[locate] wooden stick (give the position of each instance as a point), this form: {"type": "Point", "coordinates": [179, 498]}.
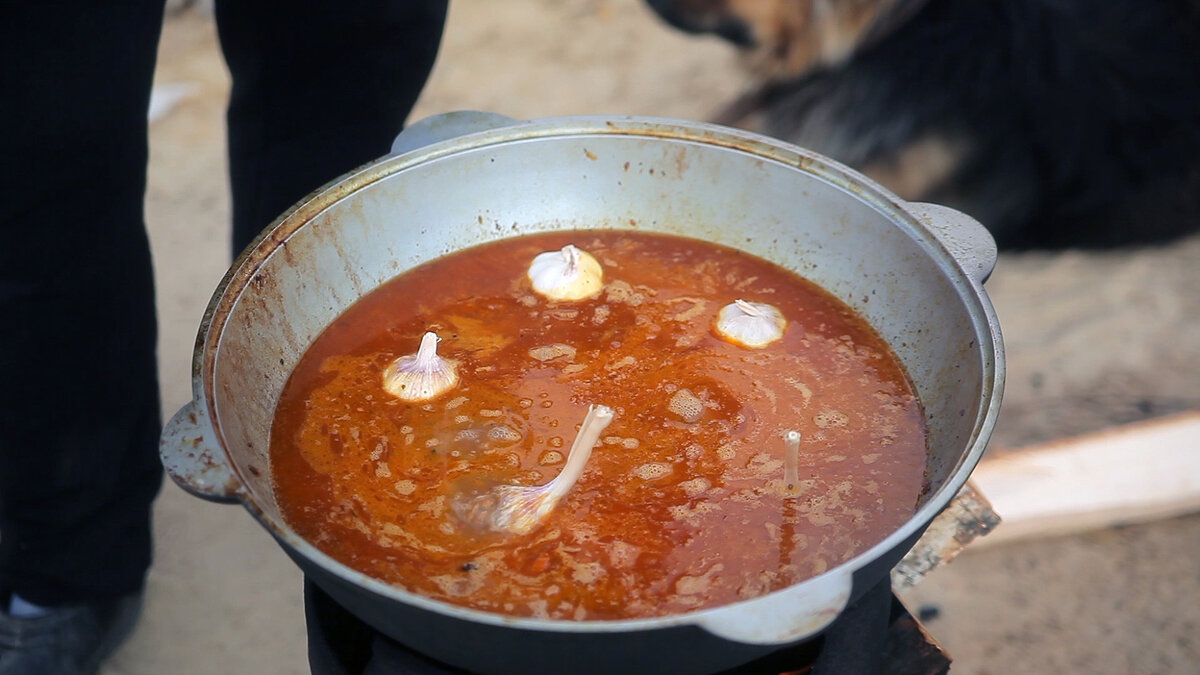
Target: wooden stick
{"type": "Point", "coordinates": [1124, 475]}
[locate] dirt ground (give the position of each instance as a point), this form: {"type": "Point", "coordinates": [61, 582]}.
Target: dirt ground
{"type": "Point", "coordinates": [1093, 340]}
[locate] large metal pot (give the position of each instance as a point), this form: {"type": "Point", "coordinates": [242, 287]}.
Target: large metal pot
{"type": "Point", "coordinates": [914, 271]}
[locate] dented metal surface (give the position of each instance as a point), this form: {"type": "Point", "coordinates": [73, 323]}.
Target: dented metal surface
{"type": "Point", "coordinates": [914, 271]}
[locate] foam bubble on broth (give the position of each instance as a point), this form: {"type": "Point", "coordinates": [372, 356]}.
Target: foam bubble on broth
{"type": "Point", "coordinates": [695, 486]}
{"type": "Point", "coordinates": [686, 405]}
{"type": "Point", "coordinates": [553, 351]}
{"type": "Point", "coordinates": [504, 434]}
{"type": "Point", "coordinates": [653, 470]}
{"type": "Point", "coordinates": [831, 418]}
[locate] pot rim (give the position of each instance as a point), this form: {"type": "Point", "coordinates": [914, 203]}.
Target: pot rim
{"type": "Point", "coordinates": [900, 213]}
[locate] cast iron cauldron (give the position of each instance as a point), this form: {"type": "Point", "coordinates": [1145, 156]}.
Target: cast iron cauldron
{"type": "Point", "coordinates": [914, 271]}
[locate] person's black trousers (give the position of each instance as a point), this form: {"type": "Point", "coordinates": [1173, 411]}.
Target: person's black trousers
{"type": "Point", "coordinates": [318, 88]}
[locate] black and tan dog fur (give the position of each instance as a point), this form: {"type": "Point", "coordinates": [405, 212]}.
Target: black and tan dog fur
{"type": "Point", "coordinates": [1054, 122]}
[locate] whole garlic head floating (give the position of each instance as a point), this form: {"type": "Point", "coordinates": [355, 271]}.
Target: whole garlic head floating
{"type": "Point", "coordinates": [420, 376]}
{"type": "Point", "coordinates": [566, 274]}
{"type": "Point", "coordinates": [750, 324]}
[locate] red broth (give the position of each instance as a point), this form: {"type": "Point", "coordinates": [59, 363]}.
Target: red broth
{"type": "Point", "coordinates": [674, 512]}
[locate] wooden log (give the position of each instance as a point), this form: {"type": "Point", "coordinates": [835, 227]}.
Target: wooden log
{"type": "Point", "coordinates": [1124, 475]}
{"type": "Point", "coordinates": [967, 517]}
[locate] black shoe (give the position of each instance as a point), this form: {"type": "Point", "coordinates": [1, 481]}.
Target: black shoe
{"type": "Point", "coordinates": [71, 640]}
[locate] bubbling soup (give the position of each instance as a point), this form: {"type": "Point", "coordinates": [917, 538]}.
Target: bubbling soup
{"type": "Point", "coordinates": [683, 503]}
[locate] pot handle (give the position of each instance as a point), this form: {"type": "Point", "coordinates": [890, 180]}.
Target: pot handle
{"type": "Point", "coordinates": [193, 458]}
{"type": "Point", "coordinates": [784, 617]}
{"type": "Point", "coordinates": [445, 126]}
{"type": "Point", "coordinates": [964, 237]}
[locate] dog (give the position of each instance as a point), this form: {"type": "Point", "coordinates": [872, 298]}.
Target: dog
{"type": "Point", "coordinates": [1055, 123]}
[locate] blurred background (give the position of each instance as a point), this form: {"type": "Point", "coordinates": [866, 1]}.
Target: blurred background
{"type": "Point", "coordinates": [1095, 340]}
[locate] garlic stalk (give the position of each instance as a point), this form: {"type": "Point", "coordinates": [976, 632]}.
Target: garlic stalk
{"type": "Point", "coordinates": [750, 324]}
{"type": "Point", "coordinates": [566, 274]}
{"type": "Point", "coordinates": [519, 508]}
{"type": "Point", "coordinates": [791, 462]}
{"type": "Point", "coordinates": [420, 376]}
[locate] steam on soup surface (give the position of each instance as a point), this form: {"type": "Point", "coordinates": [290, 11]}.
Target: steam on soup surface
{"type": "Point", "coordinates": [683, 503]}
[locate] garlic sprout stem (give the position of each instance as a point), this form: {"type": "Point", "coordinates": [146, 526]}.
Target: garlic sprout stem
{"type": "Point", "coordinates": [749, 308]}
{"type": "Point", "coordinates": [571, 253]}
{"type": "Point", "coordinates": [791, 462]}
{"type": "Point", "coordinates": [427, 351]}
{"type": "Point", "coordinates": [596, 420]}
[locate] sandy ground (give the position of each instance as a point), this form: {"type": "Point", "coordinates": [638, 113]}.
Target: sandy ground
{"type": "Point", "coordinates": [1093, 340]}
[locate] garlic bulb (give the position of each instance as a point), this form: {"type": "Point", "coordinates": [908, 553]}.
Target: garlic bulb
{"type": "Point", "coordinates": [422, 376]}
{"type": "Point", "coordinates": [567, 274]}
{"type": "Point", "coordinates": [750, 324]}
